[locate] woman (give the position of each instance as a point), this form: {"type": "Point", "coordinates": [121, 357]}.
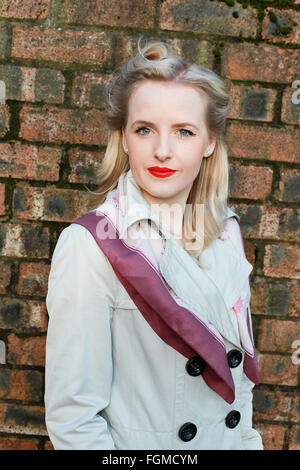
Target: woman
{"type": "Point", "coordinates": [149, 342]}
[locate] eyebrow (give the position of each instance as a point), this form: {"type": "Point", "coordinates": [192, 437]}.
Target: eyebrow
{"type": "Point", "coordinates": [177, 124]}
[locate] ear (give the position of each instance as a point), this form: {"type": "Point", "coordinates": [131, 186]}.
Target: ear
{"type": "Point", "coordinates": [210, 148]}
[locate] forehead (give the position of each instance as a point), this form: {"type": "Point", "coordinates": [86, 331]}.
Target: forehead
{"type": "Point", "coordinates": [152, 96]}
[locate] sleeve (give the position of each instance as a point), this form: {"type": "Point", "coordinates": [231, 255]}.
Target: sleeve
{"type": "Point", "coordinates": [79, 368]}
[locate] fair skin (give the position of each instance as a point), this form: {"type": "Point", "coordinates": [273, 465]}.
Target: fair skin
{"type": "Point", "coordinates": [155, 136]}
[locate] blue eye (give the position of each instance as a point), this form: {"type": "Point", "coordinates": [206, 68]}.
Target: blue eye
{"type": "Point", "coordinates": [188, 132]}
{"type": "Point", "coordinates": [140, 129]}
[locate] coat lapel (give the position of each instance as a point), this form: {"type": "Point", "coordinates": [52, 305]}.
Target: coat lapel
{"type": "Point", "coordinates": [212, 289]}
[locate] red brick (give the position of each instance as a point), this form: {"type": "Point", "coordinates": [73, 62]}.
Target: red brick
{"type": "Point", "coordinates": [63, 205]}
{"type": "Point", "coordinates": [85, 166]}
{"type": "Point", "coordinates": [33, 279]}
{"type": "Point", "coordinates": [289, 185]}
{"type": "Point", "coordinates": [282, 261]}
{"type": "Point", "coordinates": [25, 9]}
{"type": "Point", "coordinates": [6, 268]}
{"type": "Point", "coordinates": [16, 443]}
{"type": "Point", "coordinates": [2, 199]}
{"type": "Point", "coordinates": [251, 102]}
{"type": "Point", "coordinates": [89, 90]}
{"type": "Point", "coordinates": [268, 221]}
{"type": "Point", "coordinates": [128, 13]}
{"type": "Point", "coordinates": [4, 119]}
{"type": "Point", "coordinates": [24, 240]}
{"type": "Point", "coordinates": [290, 104]}
{"type": "Point", "coordinates": [263, 143]}
{"type": "Point", "coordinates": [24, 161]}
{"type": "Point", "coordinates": [287, 18]}
{"type": "Point", "coordinates": [21, 385]}
{"type": "Point", "coordinates": [268, 298]}
{"type": "Point", "coordinates": [22, 419]}
{"type": "Point", "coordinates": [272, 435]}
{"type": "Point", "coordinates": [60, 45]}
{"type": "Point", "coordinates": [272, 405]}
{"type": "Point", "coordinates": [294, 441]}
{"type": "Point", "coordinates": [63, 125]}
{"type": "Point", "coordinates": [278, 335]}
{"type": "Point", "coordinates": [267, 63]}
{"type": "Point", "coordinates": [250, 182]}
{"type": "Point", "coordinates": [26, 351]}
{"type": "Point", "coordinates": [33, 84]}
{"type": "Point", "coordinates": [19, 315]}
{"type": "Point", "coordinates": [276, 369]}
{"type": "Point", "coordinates": [208, 18]}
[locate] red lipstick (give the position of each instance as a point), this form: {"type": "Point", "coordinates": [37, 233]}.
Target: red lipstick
{"type": "Point", "coordinates": [161, 172]}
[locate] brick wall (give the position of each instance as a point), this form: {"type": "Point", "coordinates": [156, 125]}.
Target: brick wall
{"type": "Point", "coordinates": [55, 57]}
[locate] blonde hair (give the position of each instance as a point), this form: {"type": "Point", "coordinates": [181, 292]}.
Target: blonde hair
{"type": "Point", "coordinates": [154, 62]}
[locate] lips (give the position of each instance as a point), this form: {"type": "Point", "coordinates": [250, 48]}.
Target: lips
{"type": "Point", "coordinates": [161, 172]}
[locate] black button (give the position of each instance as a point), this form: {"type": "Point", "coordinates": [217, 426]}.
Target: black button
{"type": "Point", "coordinates": [195, 366]}
{"type": "Point", "coordinates": [232, 419]}
{"type": "Point", "coordinates": [234, 358]}
{"type": "Point", "coordinates": [187, 432]}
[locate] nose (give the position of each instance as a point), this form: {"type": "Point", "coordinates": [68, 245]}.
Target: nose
{"type": "Point", "coordinates": [163, 148]}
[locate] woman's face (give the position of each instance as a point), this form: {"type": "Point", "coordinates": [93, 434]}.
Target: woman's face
{"type": "Point", "coordinates": [166, 129]}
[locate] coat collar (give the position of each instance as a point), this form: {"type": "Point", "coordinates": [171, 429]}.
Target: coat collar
{"type": "Point", "coordinates": [212, 288]}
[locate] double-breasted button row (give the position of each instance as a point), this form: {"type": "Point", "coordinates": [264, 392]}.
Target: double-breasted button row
{"type": "Point", "coordinates": [196, 365]}
{"type": "Point", "coordinates": [188, 431]}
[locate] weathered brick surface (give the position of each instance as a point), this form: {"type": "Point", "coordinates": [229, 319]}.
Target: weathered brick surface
{"type": "Point", "coordinates": [263, 143]}
{"type": "Point", "coordinates": [33, 84]}
{"type": "Point", "coordinates": [26, 351]}
{"type": "Point", "coordinates": [61, 46]}
{"type": "Point", "coordinates": [21, 385]}
{"type": "Point", "coordinates": [281, 25]}
{"type": "Point", "coordinates": [273, 435]}
{"type": "Point", "coordinates": [49, 203]}
{"type": "Point", "coordinates": [2, 199]}
{"type": "Point", "coordinates": [25, 9]}
{"type": "Point", "coordinates": [289, 186]}
{"type": "Point", "coordinates": [208, 18]}
{"type": "Point", "coordinates": [278, 335]}
{"type": "Point", "coordinates": [4, 119]}
{"type": "Point", "coordinates": [22, 419]}
{"type": "Point", "coordinates": [85, 166]}
{"type": "Point", "coordinates": [57, 58]}
{"type": "Point", "coordinates": [251, 182]}
{"type": "Point", "coordinates": [31, 162]}
{"type": "Point", "coordinates": [251, 103]}
{"type": "Point", "coordinates": [33, 279]}
{"type": "Point", "coordinates": [127, 13]}
{"type": "Point", "coordinates": [290, 113]}
{"type": "Point", "coordinates": [59, 125]}
{"type": "Point", "coordinates": [275, 298]}
{"type": "Point", "coordinates": [282, 261]}
{"type": "Point", "coordinates": [15, 443]}
{"type": "Point", "coordinates": [278, 369]}
{"type": "Point", "coordinates": [264, 63]}
{"type": "Point", "coordinates": [22, 315]}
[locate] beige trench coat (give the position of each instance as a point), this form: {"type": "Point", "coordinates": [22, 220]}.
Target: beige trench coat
{"type": "Point", "coordinates": [111, 381]}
